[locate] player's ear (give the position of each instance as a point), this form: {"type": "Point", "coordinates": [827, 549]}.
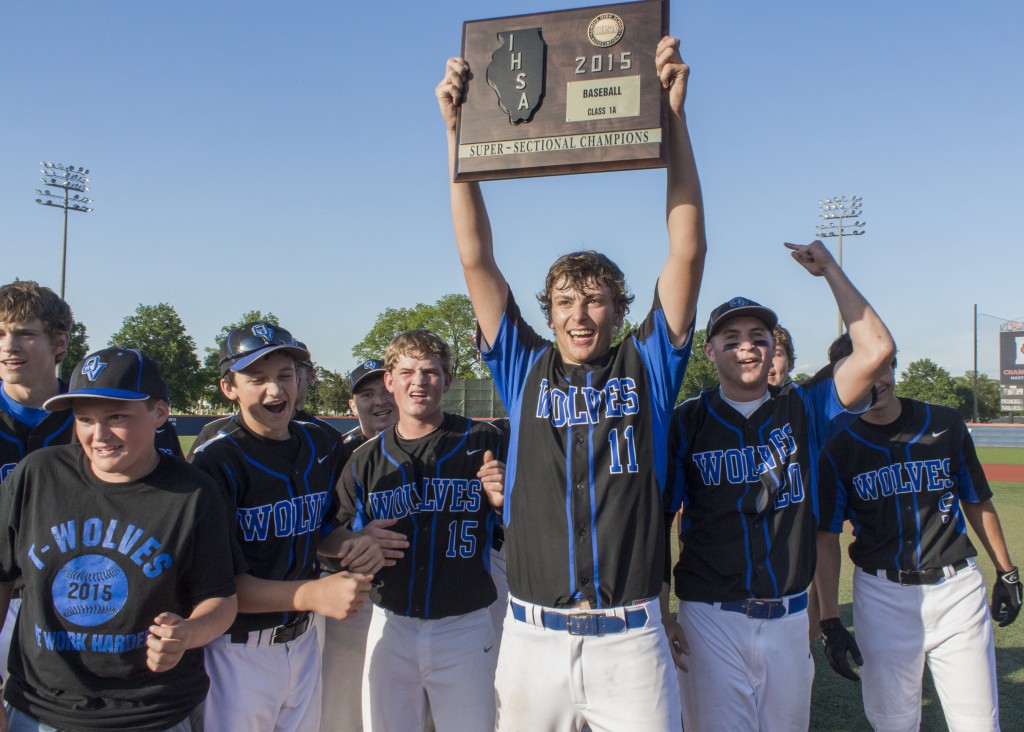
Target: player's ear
{"type": "Point", "coordinates": [228, 390]}
{"type": "Point", "coordinates": [389, 382]}
{"type": "Point", "coordinates": [162, 411]}
{"type": "Point", "coordinates": [60, 340]}
{"type": "Point", "coordinates": [709, 351]}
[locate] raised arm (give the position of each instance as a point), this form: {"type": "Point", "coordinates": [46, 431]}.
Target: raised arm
{"type": "Point", "coordinates": [873, 346]}
{"type": "Point", "coordinates": [487, 287]}
{"type": "Point", "coordinates": [679, 283]}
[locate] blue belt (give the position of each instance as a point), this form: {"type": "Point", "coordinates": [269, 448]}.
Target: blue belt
{"type": "Point", "coordinates": [583, 623]}
{"type": "Point", "coordinates": [760, 609]}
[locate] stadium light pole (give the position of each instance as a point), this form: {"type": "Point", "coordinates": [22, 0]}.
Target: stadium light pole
{"type": "Point", "coordinates": [72, 181]}
{"type": "Point", "coordinates": [833, 212]}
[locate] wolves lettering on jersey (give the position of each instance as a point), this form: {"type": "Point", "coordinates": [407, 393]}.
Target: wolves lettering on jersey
{"type": "Point", "coordinates": [901, 485]}
{"type": "Point", "coordinates": [580, 405]}
{"type": "Point", "coordinates": [300, 515]}
{"type": "Point", "coordinates": [437, 494]}
{"type": "Point", "coordinates": [752, 464]}
{"type": "Point", "coordinates": [908, 477]}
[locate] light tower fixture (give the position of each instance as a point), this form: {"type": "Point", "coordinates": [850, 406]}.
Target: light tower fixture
{"type": "Point", "coordinates": [69, 184]}
{"type": "Point", "coordinates": [835, 213]}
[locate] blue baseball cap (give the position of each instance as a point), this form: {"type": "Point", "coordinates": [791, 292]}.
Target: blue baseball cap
{"type": "Point", "coordinates": [117, 373]}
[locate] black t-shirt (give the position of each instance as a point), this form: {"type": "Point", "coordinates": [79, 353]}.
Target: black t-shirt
{"type": "Point", "coordinates": [100, 561]}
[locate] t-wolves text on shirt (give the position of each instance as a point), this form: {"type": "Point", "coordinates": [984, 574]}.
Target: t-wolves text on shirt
{"type": "Point", "coordinates": [587, 462]}
{"type": "Point", "coordinates": [901, 486]}
{"type": "Point", "coordinates": [100, 561]}
{"type": "Point", "coordinates": [430, 485]}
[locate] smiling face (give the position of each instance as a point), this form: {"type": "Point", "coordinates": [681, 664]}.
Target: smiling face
{"type": "Point", "coordinates": [374, 406]}
{"type": "Point", "coordinates": [28, 355]}
{"type": "Point", "coordinates": [741, 350]}
{"type": "Point", "coordinates": [265, 392]}
{"type": "Point", "coordinates": [584, 322]}
{"type": "Point", "coordinates": [418, 384]}
{"type": "Point", "coordinates": [117, 436]}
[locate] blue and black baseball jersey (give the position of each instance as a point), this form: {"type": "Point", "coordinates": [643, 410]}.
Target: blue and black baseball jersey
{"type": "Point", "coordinates": [587, 462]}
{"type": "Point", "coordinates": [23, 430]}
{"type": "Point", "coordinates": [749, 487]}
{"type": "Point", "coordinates": [281, 495]}
{"type": "Point", "coordinates": [430, 485]}
{"type": "Point", "coordinates": [901, 486]}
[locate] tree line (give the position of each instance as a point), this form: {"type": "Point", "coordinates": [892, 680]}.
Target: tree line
{"type": "Point", "coordinates": [158, 331]}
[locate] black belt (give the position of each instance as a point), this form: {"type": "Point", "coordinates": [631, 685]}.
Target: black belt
{"type": "Point", "coordinates": [922, 577]}
{"type": "Point", "coordinates": [277, 635]}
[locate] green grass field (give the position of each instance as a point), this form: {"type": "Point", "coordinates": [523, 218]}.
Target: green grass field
{"type": "Point", "coordinates": [1001, 455]}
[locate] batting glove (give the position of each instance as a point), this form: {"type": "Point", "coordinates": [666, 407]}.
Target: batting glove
{"type": "Point", "coordinates": [838, 642]}
{"type": "Point", "coordinates": [1006, 597]}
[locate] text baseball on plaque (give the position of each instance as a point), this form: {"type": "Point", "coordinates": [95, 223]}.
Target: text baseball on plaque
{"type": "Point", "coordinates": [572, 91]}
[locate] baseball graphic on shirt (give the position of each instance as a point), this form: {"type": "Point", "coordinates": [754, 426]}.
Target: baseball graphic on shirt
{"type": "Point", "coordinates": [90, 590]}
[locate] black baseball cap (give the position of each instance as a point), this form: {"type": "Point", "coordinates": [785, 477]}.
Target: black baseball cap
{"type": "Point", "coordinates": [123, 374]}
{"type": "Point", "coordinates": [254, 341]}
{"type": "Point", "coordinates": [740, 306]}
{"type": "Point", "coordinates": [364, 371]}
{"type": "Point", "coordinates": [307, 361]}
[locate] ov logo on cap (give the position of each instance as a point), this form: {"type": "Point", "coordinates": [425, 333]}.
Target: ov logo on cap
{"type": "Point", "coordinates": [92, 367]}
{"type": "Point", "coordinates": [263, 331]}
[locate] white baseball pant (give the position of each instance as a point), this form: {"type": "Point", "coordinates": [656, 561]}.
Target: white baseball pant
{"type": "Point", "coordinates": [745, 673]}
{"type": "Point", "coordinates": [900, 628]}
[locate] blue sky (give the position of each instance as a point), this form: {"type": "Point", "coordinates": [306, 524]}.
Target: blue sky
{"type": "Point", "coordinates": [289, 157]}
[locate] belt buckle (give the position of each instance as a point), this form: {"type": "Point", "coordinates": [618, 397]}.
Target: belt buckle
{"type": "Point", "coordinates": [582, 624]}
{"type": "Point", "coordinates": [289, 632]}
{"type": "Point", "coordinates": [762, 609]}
{"type": "Point", "coordinates": [910, 575]}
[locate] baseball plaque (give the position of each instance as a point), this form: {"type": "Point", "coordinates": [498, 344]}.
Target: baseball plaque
{"type": "Point", "coordinates": [571, 91]}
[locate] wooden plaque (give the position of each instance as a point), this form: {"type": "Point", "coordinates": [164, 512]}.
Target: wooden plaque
{"type": "Point", "coordinates": [572, 91]}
